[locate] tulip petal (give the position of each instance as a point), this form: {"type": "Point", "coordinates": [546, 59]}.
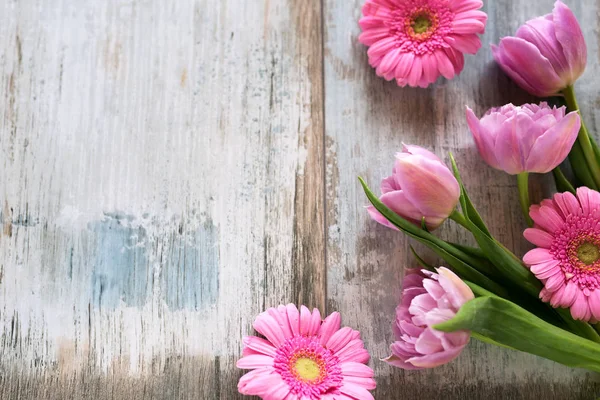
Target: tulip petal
{"type": "Point", "coordinates": [551, 148]}
{"type": "Point", "coordinates": [484, 139]}
{"type": "Point", "coordinates": [570, 36]}
{"type": "Point", "coordinates": [429, 186]}
{"type": "Point", "coordinates": [398, 202]}
{"type": "Point", "coordinates": [436, 359]}
{"type": "Point", "coordinates": [541, 33]}
{"type": "Point", "coordinates": [524, 59]}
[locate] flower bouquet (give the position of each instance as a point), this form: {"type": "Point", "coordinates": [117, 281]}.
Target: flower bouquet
{"type": "Point", "coordinates": [546, 303]}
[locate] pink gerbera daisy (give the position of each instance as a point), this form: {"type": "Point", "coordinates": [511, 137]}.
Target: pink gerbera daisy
{"type": "Point", "coordinates": [304, 358]}
{"type": "Point", "coordinates": [567, 259]}
{"type": "Point", "coordinates": [416, 41]}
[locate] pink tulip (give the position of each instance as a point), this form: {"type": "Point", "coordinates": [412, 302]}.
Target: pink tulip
{"type": "Point", "coordinates": [428, 299]}
{"type": "Point", "coordinates": [547, 55]}
{"type": "Point", "coordinates": [529, 138]}
{"type": "Point", "coordinates": [420, 186]}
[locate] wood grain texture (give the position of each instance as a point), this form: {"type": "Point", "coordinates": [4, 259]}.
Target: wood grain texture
{"type": "Point", "coordinates": [161, 182]}
{"type": "Point", "coordinates": [170, 169]}
{"type": "Point", "coordinates": [367, 120]}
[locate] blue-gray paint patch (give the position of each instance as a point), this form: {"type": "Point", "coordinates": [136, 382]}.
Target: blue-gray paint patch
{"type": "Point", "coordinates": [121, 271]}
{"type": "Point", "coordinates": [190, 276]}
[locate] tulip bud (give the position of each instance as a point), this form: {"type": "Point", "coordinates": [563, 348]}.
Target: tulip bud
{"type": "Point", "coordinates": [420, 186]}
{"type": "Point", "coordinates": [529, 138]}
{"type": "Point", "coordinates": [547, 55]}
{"type": "Point", "coordinates": [428, 299]}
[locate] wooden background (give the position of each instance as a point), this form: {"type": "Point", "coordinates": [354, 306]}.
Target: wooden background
{"type": "Point", "coordinates": [170, 169]}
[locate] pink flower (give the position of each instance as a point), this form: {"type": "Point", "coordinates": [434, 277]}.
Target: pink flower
{"type": "Point", "coordinates": [304, 358]}
{"type": "Point", "coordinates": [567, 259]}
{"type": "Point", "coordinates": [529, 138]}
{"type": "Point", "coordinates": [416, 41]}
{"type": "Point", "coordinates": [547, 55]}
{"type": "Point", "coordinates": [420, 186]}
{"type": "Point", "coordinates": [428, 299]}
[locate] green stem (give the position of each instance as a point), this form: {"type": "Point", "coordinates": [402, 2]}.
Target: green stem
{"type": "Point", "coordinates": [460, 219]}
{"type": "Point", "coordinates": [523, 185]}
{"type": "Point", "coordinates": [487, 340]}
{"type": "Point", "coordinates": [584, 137]}
{"type": "Point", "coordinates": [597, 327]}
{"type": "Point", "coordinates": [562, 183]}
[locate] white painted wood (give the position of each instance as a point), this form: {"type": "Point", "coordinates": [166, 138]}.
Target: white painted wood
{"type": "Point", "coordinates": [151, 153]}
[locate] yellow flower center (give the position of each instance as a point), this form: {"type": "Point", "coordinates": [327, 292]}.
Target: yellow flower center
{"type": "Point", "coordinates": [420, 24]}
{"type": "Point", "coordinates": [308, 370]}
{"type": "Point", "coordinates": [588, 253]}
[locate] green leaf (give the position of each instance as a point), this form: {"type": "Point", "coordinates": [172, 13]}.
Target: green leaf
{"type": "Point", "coordinates": [465, 203]}
{"type": "Point", "coordinates": [561, 181]}
{"type": "Point", "coordinates": [579, 166]}
{"type": "Point", "coordinates": [510, 325]}
{"type": "Point", "coordinates": [420, 261]}
{"type": "Point", "coordinates": [472, 251]}
{"type": "Point", "coordinates": [424, 225]}
{"type": "Point", "coordinates": [459, 261]}
{"type": "Point", "coordinates": [507, 263]}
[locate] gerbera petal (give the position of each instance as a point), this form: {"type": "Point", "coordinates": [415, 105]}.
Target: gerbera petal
{"type": "Point", "coordinates": [547, 218]}
{"type": "Point", "coordinates": [469, 44]}
{"type": "Point", "coordinates": [267, 326]}
{"type": "Point", "coordinates": [381, 47]}
{"type": "Point", "coordinates": [255, 361]}
{"type": "Point", "coordinates": [465, 5]}
{"type": "Point", "coordinates": [580, 307]}
{"type": "Point", "coordinates": [339, 339]}
{"type": "Point", "coordinates": [280, 315]}
{"type": "Point", "coordinates": [414, 76]}
{"type": "Point", "coordinates": [538, 237]}
{"type": "Point", "coordinates": [594, 302]}
{"type": "Point", "coordinates": [259, 345]}
{"type": "Point", "coordinates": [589, 199]}
{"type": "Point", "coordinates": [367, 383]}
{"type": "Point", "coordinates": [555, 282]}
{"type": "Point", "coordinates": [251, 376]}
{"type": "Point", "coordinates": [356, 392]}
{"type": "Point", "coordinates": [546, 269]}
{"type": "Point", "coordinates": [444, 64]}
{"type": "Point", "coordinates": [567, 203]}
{"type": "Point", "coordinates": [373, 35]}
{"type": "Point", "coordinates": [315, 322]}
{"type": "Point", "coordinates": [404, 65]}
{"type": "Point", "coordinates": [537, 256]}
{"type": "Point", "coordinates": [388, 64]}
{"type": "Point", "coordinates": [569, 294]}
{"type": "Point", "coordinates": [260, 385]}
{"type": "Point", "coordinates": [294, 318]}
{"type": "Point", "coordinates": [356, 369]}
{"type": "Point", "coordinates": [330, 325]}
{"type": "Point", "coordinates": [305, 321]}
{"type": "Point", "coordinates": [467, 26]}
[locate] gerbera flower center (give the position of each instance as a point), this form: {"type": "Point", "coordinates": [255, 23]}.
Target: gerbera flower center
{"type": "Point", "coordinates": [307, 367]}
{"type": "Point", "coordinates": [310, 369]}
{"type": "Point", "coordinates": [577, 247]}
{"type": "Point", "coordinates": [421, 23]}
{"type": "Point", "coordinates": [588, 253]}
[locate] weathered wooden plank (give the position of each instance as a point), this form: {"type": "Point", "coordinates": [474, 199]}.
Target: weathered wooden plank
{"type": "Point", "coordinates": [161, 182]}
{"type": "Point", "coordinates": [367, 119]}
